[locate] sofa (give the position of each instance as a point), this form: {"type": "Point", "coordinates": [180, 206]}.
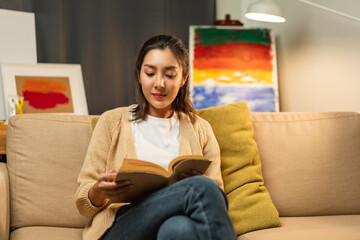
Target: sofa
{"type": "Point", "coordinates": [310, 164]}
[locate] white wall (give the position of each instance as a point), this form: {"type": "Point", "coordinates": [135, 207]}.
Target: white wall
{"type": "Point", "coordinates": [231, 7]}
{"type": "Point", "coordinates": [318, 54]}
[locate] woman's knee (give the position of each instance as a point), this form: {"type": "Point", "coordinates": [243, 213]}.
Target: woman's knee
{"type": "Point", "coordinates": [208, 187]}
{"type": "Point", "coordinates": [177, 227]}
{"type": "Point", "coordinates": [203, 181]}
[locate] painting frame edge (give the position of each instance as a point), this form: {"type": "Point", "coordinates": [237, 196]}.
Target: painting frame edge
{"type": "Point", "coordinates": [8, 71]}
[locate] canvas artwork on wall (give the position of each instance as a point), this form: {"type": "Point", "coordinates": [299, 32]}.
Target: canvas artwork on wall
{"type": "Point", "coordinates": [45, 88]}
{"type": "Point", "coordinates": [17, 42]}
{"type": "Point", "coordinates": [232, 64]}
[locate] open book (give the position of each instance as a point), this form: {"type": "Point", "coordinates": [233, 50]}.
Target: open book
{"type": "Point", "coordinates": [148, 177]}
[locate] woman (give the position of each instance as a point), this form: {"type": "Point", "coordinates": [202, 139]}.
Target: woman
{"type": "Point", "coordinates": [160, 127]}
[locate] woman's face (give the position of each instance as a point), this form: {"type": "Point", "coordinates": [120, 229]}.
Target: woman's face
{"type": "Point", "coordinates": [161, 79]}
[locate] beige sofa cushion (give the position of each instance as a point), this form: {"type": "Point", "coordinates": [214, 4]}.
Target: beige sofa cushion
{"type": "Point", "coordinates": [310, 161]}
{"type": "Point", "coordinates": [4, 202]}
{"type": "Point", "coordinates": [314, 228]}
{"type": "Point", "coordinates": [46, 233]}
{"type": "Point", "coordinates": [45, 155]}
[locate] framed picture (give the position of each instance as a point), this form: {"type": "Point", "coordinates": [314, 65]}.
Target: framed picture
{"type": "Point", "coordinates": [45, 88]}
{"type": "Point", "coordinates": [232, 64]}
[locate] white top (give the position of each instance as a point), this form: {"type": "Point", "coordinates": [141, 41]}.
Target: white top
{"type": "Point", "coordinates": [157, 139]}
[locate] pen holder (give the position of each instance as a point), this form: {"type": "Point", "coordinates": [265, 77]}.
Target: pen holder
{"type": "Point", "coordinates": [16, 105]}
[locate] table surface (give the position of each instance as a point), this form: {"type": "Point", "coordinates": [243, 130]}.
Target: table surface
{"type": "Point", "coordinates": [3, 130]}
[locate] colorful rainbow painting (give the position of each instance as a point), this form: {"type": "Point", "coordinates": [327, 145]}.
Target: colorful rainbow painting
{"type": "Point", "coordinates": [233, 64]}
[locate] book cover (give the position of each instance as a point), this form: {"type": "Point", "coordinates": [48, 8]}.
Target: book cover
{"type": "Point", "coordinates": [148, 177]}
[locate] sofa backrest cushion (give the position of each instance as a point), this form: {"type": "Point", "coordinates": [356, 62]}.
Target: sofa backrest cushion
{"type": "Point", "coordinates": [44, 156]}
{"type": "Point", "coordinates": [310, 161]}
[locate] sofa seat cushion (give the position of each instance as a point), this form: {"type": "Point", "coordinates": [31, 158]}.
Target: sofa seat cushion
{"type": "Point", "coordinates": [46, 233]}
{"type": "Point", "coordinates": [322, 227]}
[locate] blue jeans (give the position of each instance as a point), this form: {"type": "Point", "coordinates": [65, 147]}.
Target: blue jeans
{"type": "Point", "coordinates": [194, 208]}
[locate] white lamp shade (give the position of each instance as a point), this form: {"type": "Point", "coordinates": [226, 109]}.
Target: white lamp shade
{"type": "Point", "coordinates": [265, 10]}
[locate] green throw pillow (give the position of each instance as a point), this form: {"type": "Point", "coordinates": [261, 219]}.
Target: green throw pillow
{"type": "Point", "coordinates": [250, 205]}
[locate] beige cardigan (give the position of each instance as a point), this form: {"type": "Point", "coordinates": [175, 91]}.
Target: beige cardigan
{"type": "Point", "coordinates": [113, 140]}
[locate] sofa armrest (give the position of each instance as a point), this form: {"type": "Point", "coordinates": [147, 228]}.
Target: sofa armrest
{"type": "Point", "coordinates": [4, 202]}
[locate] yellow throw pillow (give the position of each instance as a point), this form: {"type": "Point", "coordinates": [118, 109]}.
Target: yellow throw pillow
{"type": "Point", "coordinates": [250, 205]}
{"type": "Point", "coordinates": [94, 122]}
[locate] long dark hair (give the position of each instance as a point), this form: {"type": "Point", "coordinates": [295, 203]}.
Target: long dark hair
{"type": "Point", "coordinates": [182, 102]}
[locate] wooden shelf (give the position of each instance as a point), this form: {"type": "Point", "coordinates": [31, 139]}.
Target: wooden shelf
{"type": "Point", "coordinates": [3, 130]}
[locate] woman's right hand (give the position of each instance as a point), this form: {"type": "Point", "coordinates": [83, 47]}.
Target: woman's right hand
{"type": "Point", "coordinates": [106, 188]}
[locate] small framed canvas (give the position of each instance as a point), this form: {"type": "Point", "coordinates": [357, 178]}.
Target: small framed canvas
{"type": "Point", "coordinates": [45, 88]}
